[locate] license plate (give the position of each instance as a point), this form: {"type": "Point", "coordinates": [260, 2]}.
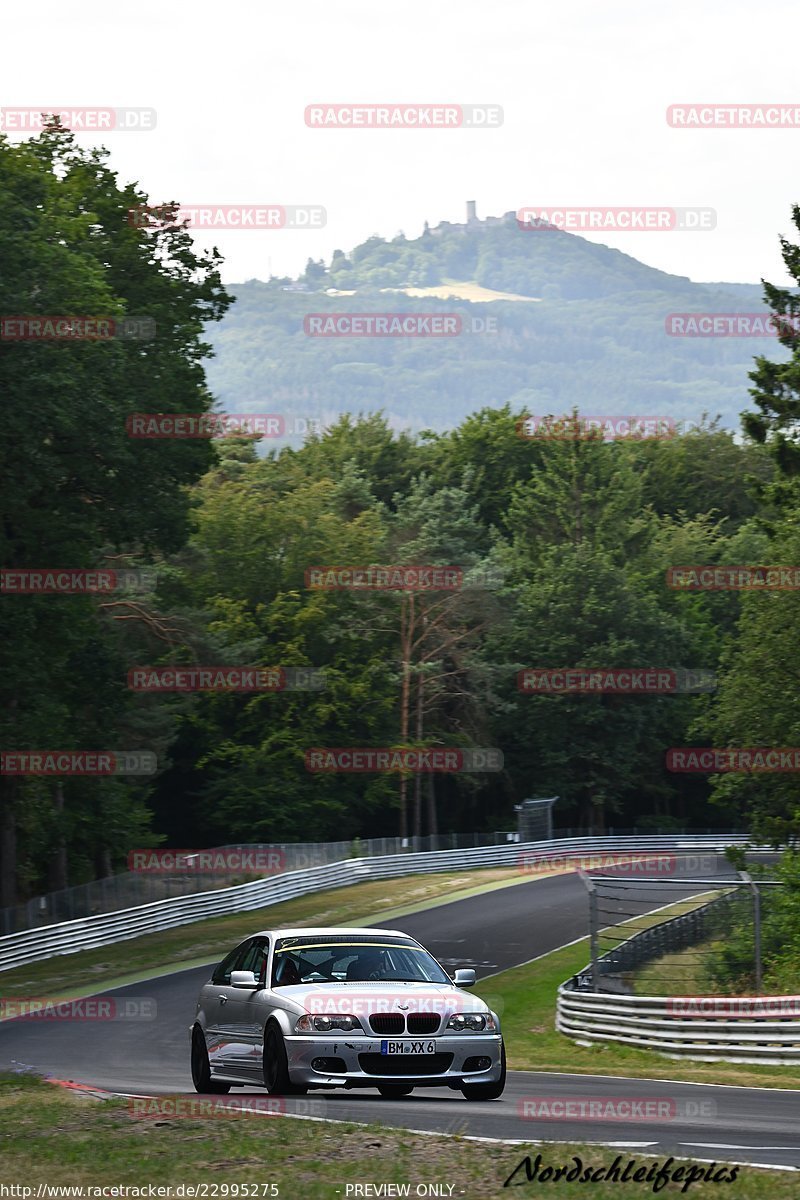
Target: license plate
{"type": "Point", "coordinates": [408, 1047]}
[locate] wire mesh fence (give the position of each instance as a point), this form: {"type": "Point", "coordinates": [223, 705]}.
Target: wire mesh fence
{"type": "Point", "coordinates": [129, 889]}
{"type": "Point", "coordinates": [663, 936]}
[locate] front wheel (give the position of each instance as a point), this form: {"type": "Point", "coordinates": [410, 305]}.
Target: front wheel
{"type": "Point", "coordinates": [201, 1068]}
{"type": "Point", "coordinates": [276, 1066]}
{"type": "Point", "coordinates": [488, 1091]}
{"type": "Point", "coordinates": [394, 1091]}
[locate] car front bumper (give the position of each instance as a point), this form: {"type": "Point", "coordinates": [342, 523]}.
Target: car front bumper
{"type": "Point", "coordinates": [363, 1065]}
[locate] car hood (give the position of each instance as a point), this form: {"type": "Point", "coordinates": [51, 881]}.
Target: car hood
{"type": "Point", "coordinates": [374, 997]}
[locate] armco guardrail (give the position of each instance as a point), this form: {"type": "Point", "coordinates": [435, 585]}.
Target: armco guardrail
{"type": "Point", "coordinates": [704, 1028]}
{"type": "Point", "coordinates": [106, 929]}
{"type": "Point", "coordinates": [129, 889]}
{"type": "Point", "coordinates": [661, 1023]}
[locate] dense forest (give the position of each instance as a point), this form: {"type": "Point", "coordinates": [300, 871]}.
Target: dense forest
{"type": "Point", "coordinates": [564, 547]}
{"type": "Point", "coordinates": [588, 326]}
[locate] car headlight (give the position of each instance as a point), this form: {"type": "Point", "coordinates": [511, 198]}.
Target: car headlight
{"type": "Point", "coordinates": [307, 1024]}
{"type": "Point", "coordinates": [480, 1022]}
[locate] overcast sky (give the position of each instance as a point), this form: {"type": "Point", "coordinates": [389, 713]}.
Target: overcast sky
{"type": "Point", "coordinates": [584, 87]}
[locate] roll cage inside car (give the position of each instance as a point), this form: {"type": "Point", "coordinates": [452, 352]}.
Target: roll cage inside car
{"type": "Point", "coordinates": [347, 959]}
{"type": "Point", "coordinates": [340, 958]}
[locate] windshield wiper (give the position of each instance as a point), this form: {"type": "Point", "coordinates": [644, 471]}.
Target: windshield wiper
{"type": "Point", "coordinates": [395, 979]}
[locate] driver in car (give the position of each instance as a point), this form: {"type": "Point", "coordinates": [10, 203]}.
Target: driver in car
{"type": "Point", "coordinates": [370, 964]}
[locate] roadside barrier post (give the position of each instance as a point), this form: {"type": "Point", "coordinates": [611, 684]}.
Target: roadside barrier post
{"type": "Point", "coordinates": [756, 926]}
{"type": "Point", "coordinates": [593, 950]}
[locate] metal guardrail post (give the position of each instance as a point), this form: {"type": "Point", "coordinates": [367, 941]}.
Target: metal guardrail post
{"type": "Point", "coordinates": [756, 927]}
{"type": "Point", "coordinates": [593, 949]}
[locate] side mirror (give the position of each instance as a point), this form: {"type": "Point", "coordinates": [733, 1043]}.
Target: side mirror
{"type": "Point", "coordinates": [245, 979]}
{"type": "Point", "coordinates": [464, 977]}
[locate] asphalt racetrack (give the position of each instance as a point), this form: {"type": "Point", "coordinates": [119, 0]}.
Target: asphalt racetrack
{"type": "Point", "coordinates": [491, 932]}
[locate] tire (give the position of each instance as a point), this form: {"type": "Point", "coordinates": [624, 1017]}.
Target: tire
{"type": "Point", "coordinates": [201, 1068]}
{"type": "Point", "coordinates": [276, 1066]}
{"type": "Point", "coordinates": [394, 1091]}
{"type": "Point", "coordinates": [488, 1091]}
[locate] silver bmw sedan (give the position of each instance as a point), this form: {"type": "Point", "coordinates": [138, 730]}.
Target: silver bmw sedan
{"type": "Point", "coordinates": [293, 1009]}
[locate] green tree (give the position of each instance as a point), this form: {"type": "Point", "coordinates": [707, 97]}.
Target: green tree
{"type": "Point", "coordinates": [439, 632]}
{"type": "Point", "coordinates": [488, 452]}
{"type": "Point", "coordinates": [315, 273]}
{"type": "Point", "coordinates": [587, 594]}
{"type": "Point", "coordinates": [703, 470]}
{"type": "Point", "coordinates": [78, 486]}
{"type": "Point", "coordinates": [759, 702]}
{"type": "Point", "coordinates": [760, 694]}
{"type": "Point", "coordinates": [777, 384]}
{"type": "Point", "coordinates": [239, 759]}
{"type": "Point", "coordinates": [577, 608]}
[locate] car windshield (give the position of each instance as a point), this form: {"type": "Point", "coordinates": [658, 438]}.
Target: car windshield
{"type": "Point", "coordinates": [340, 961]}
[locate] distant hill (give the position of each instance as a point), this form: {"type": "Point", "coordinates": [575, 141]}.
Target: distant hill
{"type": "Point", "coordinates": [585, 326]}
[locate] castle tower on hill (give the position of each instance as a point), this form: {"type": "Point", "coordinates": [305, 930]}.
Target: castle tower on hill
{"type": "Point", "coordinates": [472, 222]}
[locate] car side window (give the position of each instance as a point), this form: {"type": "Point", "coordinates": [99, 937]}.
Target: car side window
{"type": "Point", "coordinates": [232, 963]}
{"type": "Point", "coordinates": [255, 960]}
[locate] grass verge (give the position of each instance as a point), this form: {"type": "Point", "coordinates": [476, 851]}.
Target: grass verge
{"type": "Point", "coordinates": [680, 974]}
{"type": "Point", "coordinates": [525, 999]}
{"type": "Point", "coordinates": [52, 1137]}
